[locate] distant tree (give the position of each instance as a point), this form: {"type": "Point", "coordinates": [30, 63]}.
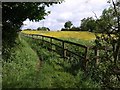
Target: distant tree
{"type": "Point", "coordinates": [75, 28]}
{"type": "Point", "coordinates": [28, 29]}
{"type": "Point", "coordinates": [48, 29]}
{"type": "Point", "coordinates": [88, 24]}
{"type": "Point", "coordinates": [68, 25]}
{"type": "Point", "coordinates": [102, 25]}
{"type": "Point", "coordinates": [63, 29]}
{"type": "Point", "coordinates": [43, 28]}
{"type": "Point", "coordinates": [39, 28]}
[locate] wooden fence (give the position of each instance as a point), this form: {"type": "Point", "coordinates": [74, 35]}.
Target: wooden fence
{"type": "Point", "coordinates": [49, 40]}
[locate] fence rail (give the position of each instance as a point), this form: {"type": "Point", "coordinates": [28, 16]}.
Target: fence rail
{"type": "Point", "coordinates": [65, 50]}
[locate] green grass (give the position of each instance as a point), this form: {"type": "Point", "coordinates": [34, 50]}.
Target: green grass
{"type": "Point", "coordinates": [0, 74]}
{"type": "Point", "coordinates": [20, 71]}
{"type": "Point", "coordinates": [57, 72]}
{"type": "Point", "coordinates": [80, 41]}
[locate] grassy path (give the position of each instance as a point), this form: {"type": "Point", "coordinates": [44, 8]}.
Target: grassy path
{"type": "Point", "coordinates": [21, 71]}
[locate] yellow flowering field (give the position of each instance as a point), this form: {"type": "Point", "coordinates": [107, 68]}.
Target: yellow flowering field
{"type": "Point", "coordinates": [33, 32]}
{"type": "Point", "coordinates": [84, 35]}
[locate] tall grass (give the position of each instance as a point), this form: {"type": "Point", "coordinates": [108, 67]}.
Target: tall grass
{"type": "Point", "coordinates": [97, 74]}
{"type": "Point", "coordinates": [20, 71]}
{"type": "Point", "coordinates": [57, 72]}
{"type": "Point", "coordinates": [24, 70]}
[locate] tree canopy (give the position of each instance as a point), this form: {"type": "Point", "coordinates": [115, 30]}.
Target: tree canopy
{"type": "Point", "coordinates": [68, 24]}
{"type": "Point", "coordinates": [109, 22]}
{"type": "Point", "coordinates": [88, 24]}
{"type": "Point", "coordinates": [43, 28]}
{"type": "Point", "coordinates": [14, 13]}
{"type": "Point", "coordinates": [106, 23]}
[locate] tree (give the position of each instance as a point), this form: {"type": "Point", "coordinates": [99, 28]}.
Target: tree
{"type": "Point", "coordinates": [14, 13]}
{"type": "Point", "coordinates": [107, 21]}
{"type": "Point", "coordinates": [43, 28]}
{"type": "Point", "coordinates": [109, 67]}
{"type": "Point", "coordinates": [75, 28]}
{"type": "Point", "coordinates": [68, 24]}
{"type": "Point", "coordinates": [88, 24]}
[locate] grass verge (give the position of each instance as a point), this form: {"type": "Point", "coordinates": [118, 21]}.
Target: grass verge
{"type": "Point", "coordinates": [20, 71]}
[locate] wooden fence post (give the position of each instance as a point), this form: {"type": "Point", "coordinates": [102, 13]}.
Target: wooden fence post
{"type": "Point", "coordinates": [51, 43]}
{"type": "Point", "coordinates": [42, 40]}
{"type": "Point", "coordinates": [86, 58]}
{"type": "Point", "coordinates": [32, 36]}
{"type": "Point", "coordinates": [63, 49]}
{"type": "Point", "coordinates": [96, 56]}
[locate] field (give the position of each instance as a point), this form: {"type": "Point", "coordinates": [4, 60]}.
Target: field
{"type": "Point", "coordinates": [65, 34]}
{"type": "Point", "coordinates": [25, 71]}
{"type": "Point", "coordinates": [35, 66]}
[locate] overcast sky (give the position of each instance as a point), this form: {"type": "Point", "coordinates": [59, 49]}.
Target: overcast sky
{"type": "Point", "coordinates": [71, 10]}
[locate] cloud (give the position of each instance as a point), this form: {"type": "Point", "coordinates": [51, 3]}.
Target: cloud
{"type": "Point", "coordinates": [69, 10]}
{"type": "Point", "coordinates": [31, 25]}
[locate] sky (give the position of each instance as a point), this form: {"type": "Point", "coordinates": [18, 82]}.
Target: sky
{"type": "Point", "coordinates": [69, 10]}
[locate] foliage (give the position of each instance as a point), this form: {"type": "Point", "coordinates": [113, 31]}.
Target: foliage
{"type": "Point", "coordinates": [57, 72]}
{"type": "Point", "coordinates": [43, 28]}
{"type": "Point", "coordinates": [88, 24]}
{"type": "Point", "coordinates": [104, 24]}
{"type": "Point", "coordinates": [75, 29]}
{"type": "Point", "coordinates": [14, 14]}
{"type": "Point", "coordinates": [107, 21]}
{"type": "Point", "coordinates": [28, 29]}
{"type": "Point", "coordinates": [107, 72]}
{"type": "Point", "coordinates": [63, 29]}
{"type": "Point", "coordinates": [71, 29]}
{"type": "Point", "coordinates": [68, 24]}
{"type": "Point", "coordinates": [109, 64]}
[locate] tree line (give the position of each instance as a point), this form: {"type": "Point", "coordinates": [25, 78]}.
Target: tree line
{"type": "Point", "coordinates": [99, 25]}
